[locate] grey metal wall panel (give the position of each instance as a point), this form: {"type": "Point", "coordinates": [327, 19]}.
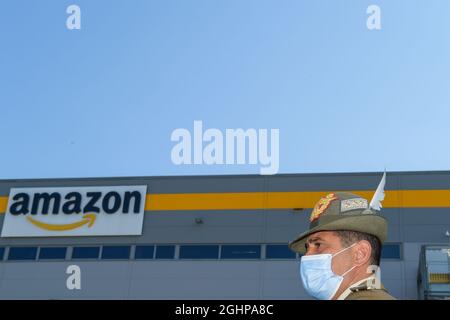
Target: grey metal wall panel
{"type": "Point", "coordinates": [411, 292]}
{"type": "Point", "coordinates": [426, 216]}
{"type": "Point", "coordinates": [5, 185]}
{"type": "Point", "coordinates": [167, 280]}
{"type": "Point", "coordinates": [208, 184]}
{"type": "Point", "coordinates": [288, 289]}
{"type": "Point", "coordinates": [255, 183]}
{"type": "Point", "coordinates": [411, 252]}
{"type": "Point", "coordinates": [411, 271]}
{"type": "Point", "coordinates": [193, 234]}
{"type": "Point", "coordinates": [197, 280]}
{"type": "Point", "coordinates": [287, 218]}
{"type": "Point", "coordinates": [395, 287]}
{"type": "Point", "coordinates": [392, 215]}
{"type": "Point", "coordinates": [425, 180]}
{"type": "Point", "coordinates": [394, 233]}
{"type": "Point", "coordinates": [210, 218]}
{"type": "Point", "coordinates": [425, 233]}
{"type": "Point", "coordinates": [281, 234]}
{"type": "Point", "coordinates": [391, 270]}
{"type": "Point", "coordinates": [330, 182]}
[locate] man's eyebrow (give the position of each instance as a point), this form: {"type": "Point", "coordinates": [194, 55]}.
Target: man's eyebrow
{"type": "Point", "coordinates": [314, 239]}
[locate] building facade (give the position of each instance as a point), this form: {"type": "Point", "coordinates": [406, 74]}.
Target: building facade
{"type": "Point", "coordinates": [200, 237]}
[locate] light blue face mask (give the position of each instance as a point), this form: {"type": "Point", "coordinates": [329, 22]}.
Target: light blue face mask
{"type": "Point", "coordinates": [318, 278]}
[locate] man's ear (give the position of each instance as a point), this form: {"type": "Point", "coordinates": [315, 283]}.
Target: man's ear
{"type": "Point", "coordinates": [362, 253]}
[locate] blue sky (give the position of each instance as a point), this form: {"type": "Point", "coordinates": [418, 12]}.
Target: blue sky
{"type": "Point", "coordinates": [104, 100]}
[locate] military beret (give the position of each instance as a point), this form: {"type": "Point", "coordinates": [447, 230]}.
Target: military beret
{"type": "Point", "coordinates": [340, 211]}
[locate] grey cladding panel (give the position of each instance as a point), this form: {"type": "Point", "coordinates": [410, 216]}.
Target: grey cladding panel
{"type": "Point", "coordinates": [255, 183]}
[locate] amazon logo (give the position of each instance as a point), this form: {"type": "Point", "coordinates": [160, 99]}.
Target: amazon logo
{"type": "Point", "coordinates": [75, 211]}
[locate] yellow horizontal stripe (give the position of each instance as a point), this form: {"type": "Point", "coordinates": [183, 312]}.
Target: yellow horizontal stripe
{"type": "Point", "coordinates": [279, 200]}
{"type": "Point", "coordinates": [286, 200]}
{"type": "Point", "coordinates": [3, 204]}
{"type": "Point", "coordinates": [205, 201]}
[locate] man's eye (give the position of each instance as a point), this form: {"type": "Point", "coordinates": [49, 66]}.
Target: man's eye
{"type": "Point", "coordinates": [317, 245]}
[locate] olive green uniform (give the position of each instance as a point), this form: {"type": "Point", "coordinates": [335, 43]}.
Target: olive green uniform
{"type": "Point", "coordinates": [365, 292]}
{"type": "Point", "coordinates": [372, 294]}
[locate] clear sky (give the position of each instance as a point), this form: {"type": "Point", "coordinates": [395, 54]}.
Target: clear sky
{"type": "Point", "coordinates": [104, 100]}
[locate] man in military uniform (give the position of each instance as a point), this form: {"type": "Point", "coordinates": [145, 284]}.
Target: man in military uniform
{"type": "Point", "coordinates": [342, 249]}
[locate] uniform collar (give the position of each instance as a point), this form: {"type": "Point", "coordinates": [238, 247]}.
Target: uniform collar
{"type": "Point", "coordinates": [355, 287]}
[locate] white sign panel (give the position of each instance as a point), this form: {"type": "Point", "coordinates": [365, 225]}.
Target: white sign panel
{"type": "Point", "coordinates": [77, 211]}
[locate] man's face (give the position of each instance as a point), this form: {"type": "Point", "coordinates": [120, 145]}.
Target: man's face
{"type": "Point", "coordinates": [328, 242]}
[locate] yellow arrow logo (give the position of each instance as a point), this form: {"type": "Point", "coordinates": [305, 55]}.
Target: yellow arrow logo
{"type": "Point", "coordinates": [88, 219]}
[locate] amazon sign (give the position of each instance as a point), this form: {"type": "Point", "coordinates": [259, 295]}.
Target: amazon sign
{"type": "Point", "coordinates": [78, 211]}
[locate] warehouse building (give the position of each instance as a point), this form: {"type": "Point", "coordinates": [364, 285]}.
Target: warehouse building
{"type": "Point", "coordinates": [205, 237]}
